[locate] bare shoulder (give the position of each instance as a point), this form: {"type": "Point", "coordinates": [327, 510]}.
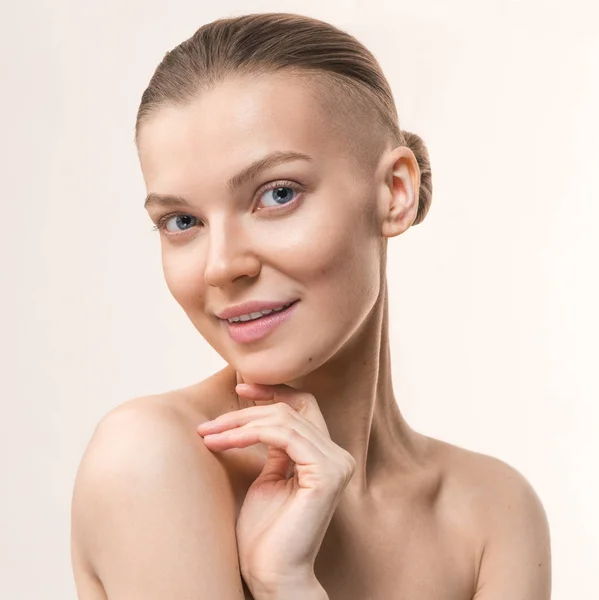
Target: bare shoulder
{"type": "Point", "coordinates": [508, 521]}
{"type": "Point", "coordinates": [148, 502]}
{"type": "Point", "coordinates": [481, 477]}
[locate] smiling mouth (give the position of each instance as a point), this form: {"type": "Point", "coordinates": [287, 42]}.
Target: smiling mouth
{"type": "Point", "coordinates": [258, 315]}
{"type": "Point", "coordinates": [254, 327]}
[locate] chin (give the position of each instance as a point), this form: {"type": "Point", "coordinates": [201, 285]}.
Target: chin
{"type": "Point", "coordinates": [268, 374]}
{"type": "Point", "coordinates": [273, 367]}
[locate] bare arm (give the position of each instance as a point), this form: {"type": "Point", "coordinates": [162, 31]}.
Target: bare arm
{"type": "Point", "coordinates": [516, 561]}
{"type": "Point", "coordinates": [153, 516]}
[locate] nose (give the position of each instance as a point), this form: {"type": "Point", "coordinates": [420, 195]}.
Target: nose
{"type": "Point", "coordinates": [230, 255]}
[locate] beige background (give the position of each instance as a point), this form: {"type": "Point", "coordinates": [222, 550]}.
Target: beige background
{"type": "Point", "coordinates": [493, 298]}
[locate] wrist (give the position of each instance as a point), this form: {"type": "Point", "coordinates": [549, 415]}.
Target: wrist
{"type": "Point", "coordinates": [305, 589]}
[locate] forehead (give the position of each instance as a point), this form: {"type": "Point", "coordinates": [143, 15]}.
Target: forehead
{"type": "Point", "coordinates": [238, 121]}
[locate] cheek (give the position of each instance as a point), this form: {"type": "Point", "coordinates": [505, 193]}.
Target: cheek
{"type": "Point", "coordinates": [335, 257]}
{"type": "Point", "coordinates": [183, 270]}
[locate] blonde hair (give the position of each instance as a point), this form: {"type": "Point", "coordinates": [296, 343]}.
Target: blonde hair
{"type": "Point", "coordinates": [347, 75]}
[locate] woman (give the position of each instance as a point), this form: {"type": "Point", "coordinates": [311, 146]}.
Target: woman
{"type": "Point", "coordinates": [276, 171]}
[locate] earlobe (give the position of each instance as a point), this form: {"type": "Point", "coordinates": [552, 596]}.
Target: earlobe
{"type": "Point", "coordinates": [403, 202]}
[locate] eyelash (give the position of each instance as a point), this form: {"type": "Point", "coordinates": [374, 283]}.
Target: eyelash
{"type": "Point", "coordinates": [265, 188]}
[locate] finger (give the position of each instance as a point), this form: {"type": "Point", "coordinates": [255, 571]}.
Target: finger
{"type": "Point", "coordinates": [308, 406]}
{"type": "Point", "coordinates": [313, 467]}
{"type": "Point", "coordinates": [303, 402]}
{"type": "Point", "coordinates": [279, 415]}
{"type": "Point", "coordinates": [254, 391]}
{"type": "Point", "coordinates": [299, 449]}
{"type": "Point", "coordinates": [243, 402]}
{"type": "Point", "coordinates": [278, 464]}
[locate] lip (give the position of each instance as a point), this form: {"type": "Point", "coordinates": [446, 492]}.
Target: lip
{"type": "Point", "coordinates": [250, 307]}
{"type": "Point", "coordinates": [245, 332]}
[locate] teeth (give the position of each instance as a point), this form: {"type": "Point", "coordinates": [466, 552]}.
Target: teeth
{"type": "Point", "coordinates": [257, 315]}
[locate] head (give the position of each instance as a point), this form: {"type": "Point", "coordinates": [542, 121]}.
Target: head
{"type": "Point", "coordinates": [276, 172]}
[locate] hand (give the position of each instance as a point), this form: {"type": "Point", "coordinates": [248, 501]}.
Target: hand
{"type": "Point", "coordinates": [289, 506]}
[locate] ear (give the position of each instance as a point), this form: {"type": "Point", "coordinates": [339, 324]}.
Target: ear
{"type": "Point", "coordinates": [402, 183]}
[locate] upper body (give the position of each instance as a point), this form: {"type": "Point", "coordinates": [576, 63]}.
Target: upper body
{"type": "Point", "coordinates": [273, 144]}
{"type": "Point", "coordinates": [154, 516]}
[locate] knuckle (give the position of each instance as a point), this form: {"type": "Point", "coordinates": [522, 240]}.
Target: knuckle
{"type": "Point", "coordinates": [307, 400]}
{"type": "Point", "coordinates": [343, 473]}
{"type": "Point", "coordinates": [352, 461]}
{"type": "Point", "coordinates": [291, 435]}
{"type": "Point", "coordinates": [349, 466]}
{"type": "Point", "coordinates": [283, 409]}
{"type": "Point", "coordinates": [282, 413]}
{"type": "Point", "coordinates": [341, 479]}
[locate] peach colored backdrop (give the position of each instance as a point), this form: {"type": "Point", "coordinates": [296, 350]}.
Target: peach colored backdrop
{"type": "Point", "coordinates": [500, 355]}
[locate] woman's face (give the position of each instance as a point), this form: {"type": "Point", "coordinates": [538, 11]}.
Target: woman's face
{"type": "Point", "coordinates": [302, 230]}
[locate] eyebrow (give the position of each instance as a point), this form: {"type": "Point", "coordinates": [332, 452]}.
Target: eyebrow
{"type": "Point", "coordinates": [235, 182]}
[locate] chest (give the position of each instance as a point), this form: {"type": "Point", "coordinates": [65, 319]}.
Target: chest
{"type": "Point", "coordinates": [396, 546]}
{"type": "Point", "coordinates": [407, 580]}
{"type": "Point", "coordinates": [413, 556]}
{"type": "Point", "coordinates": [396, 557]}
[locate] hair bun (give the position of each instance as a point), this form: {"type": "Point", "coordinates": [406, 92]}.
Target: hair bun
{"type": "Point", "coordinates": [425, 193]}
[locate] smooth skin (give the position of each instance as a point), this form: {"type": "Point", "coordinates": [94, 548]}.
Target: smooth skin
{"type": "Point", "coordinates": [155, 506]}
{"type": "Point", "coordinates": [288, 508]}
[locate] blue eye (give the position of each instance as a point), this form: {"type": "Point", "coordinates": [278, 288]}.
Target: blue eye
{"type": "Point", "coordinates": [273, 196]}
{"type": "Point", "coordinates": [181, 219]}
{"type": "Point", "coordinates": [278, 196]}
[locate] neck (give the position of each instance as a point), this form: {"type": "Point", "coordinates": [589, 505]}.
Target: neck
{"type": "Point", "coordinates": [355, 395]}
